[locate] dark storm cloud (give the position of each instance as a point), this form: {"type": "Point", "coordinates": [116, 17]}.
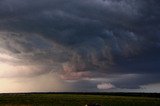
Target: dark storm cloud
{"type": "Point", "coordinates": [136, 81]}
{"type": "Point", "coordinates": [80, 38]}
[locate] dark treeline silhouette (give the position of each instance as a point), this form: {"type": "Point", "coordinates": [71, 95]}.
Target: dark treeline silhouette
{"type": "Point", "coordinates": [154, 95]}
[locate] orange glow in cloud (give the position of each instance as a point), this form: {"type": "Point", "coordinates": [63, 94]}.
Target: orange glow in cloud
{"type": "Point", "coordinates": [18, 78]}
{"type": "Point", "coordinates": [10, 68]}
{"type": "Point", "coordinates": [43, 83]}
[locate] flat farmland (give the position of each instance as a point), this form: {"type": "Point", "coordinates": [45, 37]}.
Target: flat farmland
{"type": "Point", "coordinates": [75, 100]}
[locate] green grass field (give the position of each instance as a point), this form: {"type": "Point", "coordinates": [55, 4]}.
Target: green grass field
{"type": "Point", "coordinates": [74, 100]}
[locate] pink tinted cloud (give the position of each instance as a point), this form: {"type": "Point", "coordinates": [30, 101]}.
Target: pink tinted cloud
{"type": "Point", "coordinates": [69, 73]}
{"type": "Point", "coordinates": [76, 75]}
{"type": "Point", "coordinates": [105, 86]}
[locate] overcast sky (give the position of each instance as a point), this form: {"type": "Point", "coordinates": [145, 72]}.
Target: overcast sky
{"type": "Point", "coordinates": [79, 45]}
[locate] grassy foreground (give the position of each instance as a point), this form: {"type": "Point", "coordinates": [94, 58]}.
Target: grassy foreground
{"type": "Point", "coordinates": [74, 100]}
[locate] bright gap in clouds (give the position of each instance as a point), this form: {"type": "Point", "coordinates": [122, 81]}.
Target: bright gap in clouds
{"type": "Point", "coordinates": [10, 67]}
{"type": "Point", "coordinates": [7, 69]}
{"type": "Point", "coordinates": [44, 83]}
{"type": "Point", "coordinates": [18, 77]}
